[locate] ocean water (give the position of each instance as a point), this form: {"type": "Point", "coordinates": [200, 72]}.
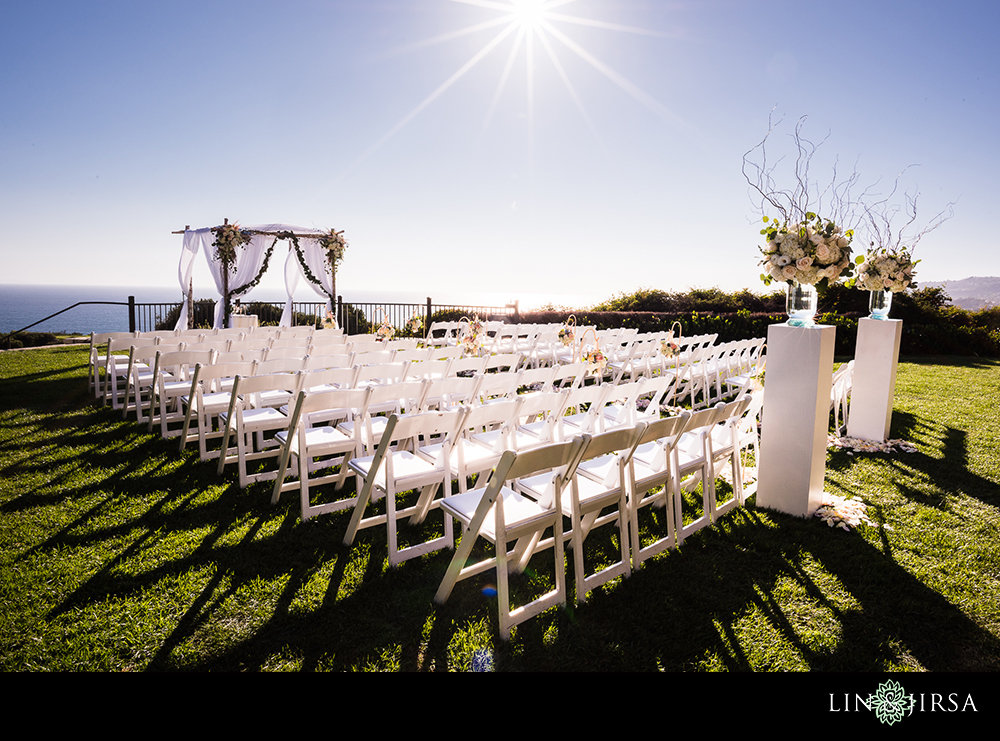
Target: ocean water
{"type": "Point", "coordinates": [21, 305]}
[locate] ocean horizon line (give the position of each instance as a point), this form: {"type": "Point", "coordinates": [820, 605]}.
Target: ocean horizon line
{"type": "Point", "coordinates": [22, 304]}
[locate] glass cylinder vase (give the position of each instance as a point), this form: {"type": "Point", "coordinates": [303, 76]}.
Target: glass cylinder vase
{"type": "Point", "coordinates": [879, 304]}
{"type": "Point", "coordinates": [801, 302]}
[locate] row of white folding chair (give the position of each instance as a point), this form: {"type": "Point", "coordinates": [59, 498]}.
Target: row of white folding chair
{"type": "Point", "coordinates": [682, 367]}
{"type": "Point", "coordinates": [591, 480]}
{"type": "Point", "coordinates": [677, 453]}
{"type": "Point", "coordinates": [522, 423]}
{"type": "Point", "coordinates": [99, 361]}
{"type": "Point", "coordinates": [730, 360]}
{"type": "Point", "coordinates": [706, 374]}
{"type": "Point", "coordinates": [397, 396]}
{"type": "Point", "coordinates": [118, 368]}
{"type": "Point", "coordinates": [416, 467]}
{"type": "Point", "coordinates": [416, 452]}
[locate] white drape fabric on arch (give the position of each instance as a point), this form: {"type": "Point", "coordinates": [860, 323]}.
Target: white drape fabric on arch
{"type": "Point", "coordinates": [248, 263]}
{"type": "Point", "coordinates": [193, 239]}
{"type": "Point", "coordinates": [316, 261]}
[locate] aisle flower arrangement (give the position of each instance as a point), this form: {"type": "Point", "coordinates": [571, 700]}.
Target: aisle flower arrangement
{"type": "Point", "coordinates": [808, 252]}
{"type": "Point", "coordinates": [472, 338]}
{"type": "Point", "coordinates": [885, 270]}
{"type": "Point", "coordinates": [385, 330]}
{"type": "Point", "coordinates": [856, 445]}
{"type": "Point", "coordinates": [414, 324]}
{"type": "Point", "coordinates": [596, 361]}
{"type": "Point", "coordinates": [837, 511]}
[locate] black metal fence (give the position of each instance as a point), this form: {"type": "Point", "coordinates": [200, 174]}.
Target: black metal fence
{"type": "Point", "coordinates": [356, 318]}
{"type": "Point", "coordinates": [365, 318]}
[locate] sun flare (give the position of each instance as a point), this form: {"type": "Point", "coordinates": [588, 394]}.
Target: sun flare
{"type": "Point", "coordinates": [531, 27]}
{"type": "Point", "coordinates": [529, 13]}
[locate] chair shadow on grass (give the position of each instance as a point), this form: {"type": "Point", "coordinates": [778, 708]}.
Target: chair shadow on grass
{"type": "Point", "coordinates": [242, 585]}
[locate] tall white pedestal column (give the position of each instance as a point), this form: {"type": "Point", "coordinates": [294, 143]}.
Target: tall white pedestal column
{"type": "Point", "coordinates": [875, 358]}
{"type": "Point", "coordinates": [795, 418]}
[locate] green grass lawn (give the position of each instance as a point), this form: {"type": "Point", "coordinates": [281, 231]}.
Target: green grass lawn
{"type": "Point", "coordinates": [118, 553]}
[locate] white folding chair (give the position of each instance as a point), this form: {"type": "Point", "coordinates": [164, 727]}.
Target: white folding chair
{"type": "Point", "coordinates": [652, 482]}
{"type": "Point", "coordinates": [451, 392]}
{"type": "Point", "coordinates": [729, 435]}
{"type": "Point", "coordinates": [840, 394]}
{"type": "Point", "coordinates": [172, 373]}
{"type": "Point", "coordinates": [395, 470]}
{"type": "Point", "coordinates": [597, 496]}
{"type": "Point", "coordinates": [496, 387]}
{"type": "Point", "coordinates": [99, 362]}
{"type": "Point", "coordinates": [694, 462]}
{"type": "Point", "coordinates": [308, 447]}
{"type": "Point", "coordinates": [468, 458]}
{"type": "Point", "coordinates": [251, 418]}
{"type": "Point", "coordinates": [140, 377]}
{"type": "Point", "coordinates": [504, 517]}
{"type": "Point", "coordinates": [502, 363]}
{"type": "Point", "coordinates": [584, 408]}
{"type": "Point", "coordinates": [211, 389]}
{"type": "Point", "coordinates": [394, 398]}
{"type": "Point", "coordinates": [537, 422]}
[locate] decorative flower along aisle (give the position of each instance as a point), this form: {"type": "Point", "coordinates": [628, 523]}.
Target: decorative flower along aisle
{"type": "Point", "coordinates": [847, 513]}
{"type": "Point", "coordinates": [804, 249]}
{"type": "Point", "coordinates": [842, 512]}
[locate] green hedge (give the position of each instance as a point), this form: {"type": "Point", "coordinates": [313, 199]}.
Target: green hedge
{"type": "Point", "coordinates": [931, 326]}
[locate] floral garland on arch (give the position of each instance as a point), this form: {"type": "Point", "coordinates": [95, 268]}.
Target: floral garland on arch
{"type": "Point", "coordinates": [809, 252]}
{"type": "Point", "coordinates": [228, 238]}
{"type": "Point", "coordinates": [260, 274]}
{"type": "Point", "coordinates": [310, 276]}
{"type": "Point", "coordinates": [335, 245]}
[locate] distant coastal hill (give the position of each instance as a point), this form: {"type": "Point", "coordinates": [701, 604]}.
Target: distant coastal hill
{"type": "Point", "coordinates": [970, 293]}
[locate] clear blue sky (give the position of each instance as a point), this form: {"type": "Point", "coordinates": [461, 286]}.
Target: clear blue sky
{"type": "Point", "coordinates": [618, 167]}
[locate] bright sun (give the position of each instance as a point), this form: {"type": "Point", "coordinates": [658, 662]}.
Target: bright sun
{"type": "Point", "coordinates": [529, 13]}
{"type": "Point", "coordinates": [531, 26]}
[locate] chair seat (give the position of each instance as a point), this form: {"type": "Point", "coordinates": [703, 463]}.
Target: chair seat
{"type": "Point", "coordinates": [518, 510]}
{"type": "Point", "coordinates": [477, 457]}
{"type": "Point", "coordinates": [409, 470]}
{"type": "Point", "coordinates": [218, 400]}
{"type": "Point", "coordinates": [493, 440]}
{"type": "Point", "coordinates": [319, 440]}
{"type": "Point", "coordinates": [378, 425]}
{"type": "Point", "coordinates": [603, 470]}
{"type": "Point", "coordinates": [274, 398]}
{"type": "Point", "coordinates": [265, 417]}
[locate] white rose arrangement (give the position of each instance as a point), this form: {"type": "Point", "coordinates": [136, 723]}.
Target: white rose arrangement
{"type": "Point", "coordinates": [886, 270]}
{"type": "Point", "coordinates": [811, 251]}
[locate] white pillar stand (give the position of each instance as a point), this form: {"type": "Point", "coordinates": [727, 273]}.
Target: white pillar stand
{"type": "Point", "coordinates": [796, 418]}
{"type": "Point", "coordinates": [874, 384]}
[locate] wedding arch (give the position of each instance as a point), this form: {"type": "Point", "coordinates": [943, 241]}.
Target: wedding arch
{"type": "Point", "coordinates": [238, 257]}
